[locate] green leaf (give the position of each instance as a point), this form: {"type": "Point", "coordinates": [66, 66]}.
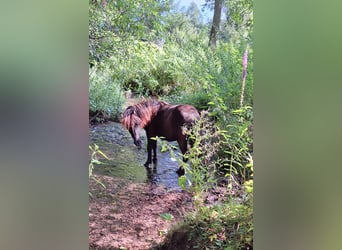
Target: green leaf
{"type": "Point", "coordinates": [96, 161]}
{"type": "Point", "coordinates": [166, 216]}
{"type": "Point", "coordinates": [182, 182]}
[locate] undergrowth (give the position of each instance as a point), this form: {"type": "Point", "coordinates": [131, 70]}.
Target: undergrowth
{"type": "Point", "coordinates": [226, 226]}
{"type": "Point", "coordinates": [215, 155]}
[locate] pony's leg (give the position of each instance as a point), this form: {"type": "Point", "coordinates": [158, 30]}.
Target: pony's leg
{"type": "Point", "coordinates": [154, 148]}
{"type": "Point", "coordinates": [149, 153]}
{"type": "Point", "coordinates": [151, 145]}
{"type": "Point", "coordinates": [183, 147]}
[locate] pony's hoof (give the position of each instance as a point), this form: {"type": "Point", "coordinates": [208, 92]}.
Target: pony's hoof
{"type": "Point", "coordinates": [180, 171]}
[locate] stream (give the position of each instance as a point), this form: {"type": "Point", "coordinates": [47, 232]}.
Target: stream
{"type": "Point", "coordinates": [127, 161]}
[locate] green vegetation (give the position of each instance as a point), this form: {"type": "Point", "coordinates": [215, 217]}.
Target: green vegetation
{"type": "Point", "coordinates": [225, 226]}
{"type": "Point", "coordinates": [94, 153]}
{"type": "Point", "coordinates": [105, 93]}
{"type": "Point", "coordinates": [153, 48]}
{"type": "Point", "coordinates": [218, 154]}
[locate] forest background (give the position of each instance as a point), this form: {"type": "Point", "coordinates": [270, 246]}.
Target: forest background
{"type": "Point", "coordinates": [159, 49]}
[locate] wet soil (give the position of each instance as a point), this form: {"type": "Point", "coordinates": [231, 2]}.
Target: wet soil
{"type": "Point", "coordinates": [127, 215]}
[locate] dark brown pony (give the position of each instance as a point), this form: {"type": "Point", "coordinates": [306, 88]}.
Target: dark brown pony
{"type": "Point", "coordinates": [159, 118]}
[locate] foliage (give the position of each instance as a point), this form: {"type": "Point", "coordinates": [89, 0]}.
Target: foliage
{"type": "Point", "coordinates": [202, 161]}
{"type": "Point", "coordinates": [150, 49]}
{"type": "Point", "coordinates": [239, 21]}
{"type": "Point", "coordinates": [110, 21]}
{"type": "Point", "coordinates": [159, 72]}
{"type": "Point", "coordinates": [105, 93]}
{"type": "Point", "coordinates": [216, 78]}
{"type": "Point", "coordinates": [216, 151]}
{"type": "Point", "coordinates": [198, 99]}
{"type": "Point", "coordinates": [95, 151]}
{"type": "Point", "coordinates": [225, 226]}
{"type": "Point", "coordinates": [238, 26]}
{"type": "Point", "coordinates": [227, 74]}
{"type": "Point", "coordinates": [238, 149]}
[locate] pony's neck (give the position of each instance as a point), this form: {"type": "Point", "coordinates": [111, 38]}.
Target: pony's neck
{"type": "Point", "coordinates": [147, 111]}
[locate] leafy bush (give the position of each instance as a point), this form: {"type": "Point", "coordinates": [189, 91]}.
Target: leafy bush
{"type": "Point", "coordinates": [198, 99]}
{"type": "Point", "coordinates": [202, 156]}
{"type": "Point", "coordinates": [225, 226]}
{"type": "Point", "coordinates": [216, 151]}
{"type": "Point", "coordinates": [228, 225]}
{"type": "Point", "coordinates": [105, 93]}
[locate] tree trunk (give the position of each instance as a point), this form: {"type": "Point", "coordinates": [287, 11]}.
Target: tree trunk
{"type": "Point", "coordinates": [216, 23]}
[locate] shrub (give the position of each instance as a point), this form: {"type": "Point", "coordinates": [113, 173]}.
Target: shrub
{"type": "Point", "coordinates": [198, 98]}
{"type": "Point", "coordinates": [202, 156]}
{"type": "Point", "coordinates": [225, 226]}
{"type": "Point", "coordinates": [105, 93]}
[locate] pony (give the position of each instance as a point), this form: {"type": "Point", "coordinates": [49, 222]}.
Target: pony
{"type": "Point", "coordinates": [159, 118]}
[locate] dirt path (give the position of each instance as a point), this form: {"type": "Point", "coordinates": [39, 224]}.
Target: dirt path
{"type": "Point", "coordinates": [127, 215]}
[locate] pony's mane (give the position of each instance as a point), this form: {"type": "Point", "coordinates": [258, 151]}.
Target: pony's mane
{"type": "Point", "coordinates": [141, 113]}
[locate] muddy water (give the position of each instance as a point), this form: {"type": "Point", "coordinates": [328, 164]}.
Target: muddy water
{"type": "Point", "coordinates": [126, 160]}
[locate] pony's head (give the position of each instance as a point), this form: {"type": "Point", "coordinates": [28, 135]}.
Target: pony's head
{"type": "Point", "coordinates": [140, 115]}
{"type": "Point", "coordinates": [131, 121]}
